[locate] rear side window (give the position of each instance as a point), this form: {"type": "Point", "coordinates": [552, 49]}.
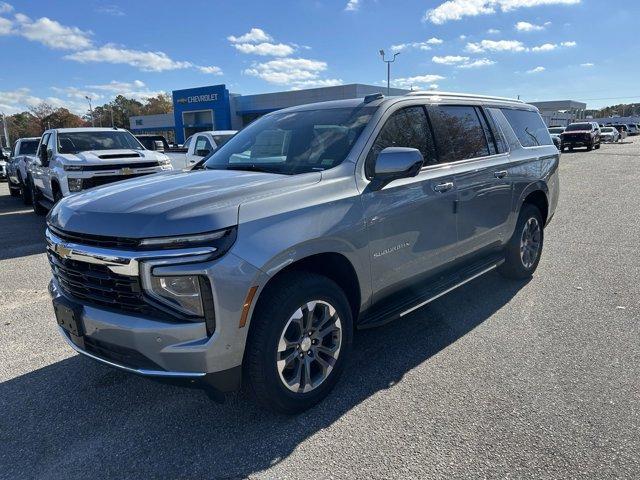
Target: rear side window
{"type": "Point", "coordinates": [529, 127]}
{"type": "Point", "coordinates": [459, 133]}
{"type": "Point", "coordinates": [408, 127]}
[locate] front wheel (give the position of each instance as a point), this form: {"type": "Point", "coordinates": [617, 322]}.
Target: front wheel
{"type": "Point", "coordinates": [524, 250]}
{"type": "Point", "coordinates": [14, 190]}
{"type": "Point", "coordinates": [299, 342]}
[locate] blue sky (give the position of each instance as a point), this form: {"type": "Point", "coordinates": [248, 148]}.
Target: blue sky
{"type": "Point", "coordinates": [60, 51]}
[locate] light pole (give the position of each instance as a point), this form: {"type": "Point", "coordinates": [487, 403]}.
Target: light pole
{"type": "Point", "coordinates": [388, 62]}
{"type": "Point", "coordinates": [6, 133]}
{"type": "Point", "coordinates": [93, 123]}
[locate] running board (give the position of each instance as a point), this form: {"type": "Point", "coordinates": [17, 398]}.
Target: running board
{"type": "Point", "coordinates": [433, 290]}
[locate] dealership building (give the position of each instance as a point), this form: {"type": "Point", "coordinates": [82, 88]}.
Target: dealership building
{"type": "Point", "coordinates": [215, 108]}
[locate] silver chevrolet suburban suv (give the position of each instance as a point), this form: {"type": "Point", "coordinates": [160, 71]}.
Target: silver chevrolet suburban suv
{"type": "Point", "coordinates": [310, 223]}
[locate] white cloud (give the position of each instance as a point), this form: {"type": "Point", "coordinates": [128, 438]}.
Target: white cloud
{"type": "Point", "coordinates": [144, 60]}
{"type": "Point", "coordinates": [255, 35]}
{"type": "Point", "coordinates": [450, 60]}
{"type": "Point", "coordinates": [114, 10]}
{"type": "Point", "coordinates": [457, 9]}
{"type": "Point", "coordinates": [495, 46]}
{"type": "Point", "coordinates": [213, 70]}
{"type": "Point", "coordinates": [493, 31]}
{"type": "Point", "coordinates": [536, 70]}
{"type": "Point", "coordinates": [569, 44]}
{"type": "Point", "coordinates": [587, 65]}
{"type": "Point", "coordinates": [271, 49]}
{"type": "Point", "coordinates": [77, 93]}
{"type": "Point", "coordinates": [6, 26]}
{"type": "Point", "coordinates": [426, 45]}
{"type": "Point", "coordinates": [546, 47]}
{"type": "Point", "coordinates": [5, 7]}
{"type": "Point", "coordinates": [116, 86]}
{"type": "Point", "coordinates": [288, 71]}
{"type": "Point", "coordinates": [530, 27]}
{"type": "Point", "coordinates": [481, 62]}
{"type": "Point", "coordinates": [13, 101]}
{"type": "Point", "coordinates": [352, 5]}
{"type": "Point", "coordinates": [51, 33]}
{"type": "Point", "coordinates": [419, 81]}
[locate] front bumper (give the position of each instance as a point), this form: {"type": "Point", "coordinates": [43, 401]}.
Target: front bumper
{"type": "Point", "coordinates": [160, 347]}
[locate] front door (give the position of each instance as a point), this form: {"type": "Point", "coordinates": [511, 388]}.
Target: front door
{"type": "Point", "coordinates": [410, 222]}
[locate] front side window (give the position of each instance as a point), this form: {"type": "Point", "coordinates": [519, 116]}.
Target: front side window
{"type": "Point", "coordinates": [43, 144]}
{"type": "Point", "coordinates": [294, 142]}
{"type": "Point", "coordinates": [529, 127]}
{"type": "Point", "coordinates": [408, 127]}
{"type": "Point", "coordinates": [459, 133]}
{"type": "Point", "coordinates": [74, 142]}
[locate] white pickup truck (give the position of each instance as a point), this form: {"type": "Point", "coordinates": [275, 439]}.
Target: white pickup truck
{"type": "Point", "coordinates": [197, 146]}
{"type": "Point", "coordinates": [70, 160]}
{"type": "Point", "coordinates": [24, 151]}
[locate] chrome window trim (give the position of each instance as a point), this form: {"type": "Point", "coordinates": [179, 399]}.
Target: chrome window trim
{"type": "Point", "coordinates": [122, 262]}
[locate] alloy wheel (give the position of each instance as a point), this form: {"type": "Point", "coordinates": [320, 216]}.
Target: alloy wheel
{"type": "Point", "coordinates": [530, 242]}
{"type": "Point", "coordinates": [309, 346]}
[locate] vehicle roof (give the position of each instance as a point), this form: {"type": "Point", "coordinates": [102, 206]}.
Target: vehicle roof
{"type": "Point", "coordinates": [88, 129]}
{"type": "Point", "coordinates": [219, 132]}
{"type": "Point", "coordinates": [434, 97]}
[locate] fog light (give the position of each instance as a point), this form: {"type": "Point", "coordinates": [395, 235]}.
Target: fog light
{"type": "Point", "coordinates": [75, 184]}
{"type": "Point", "coordinates": [181, 292]}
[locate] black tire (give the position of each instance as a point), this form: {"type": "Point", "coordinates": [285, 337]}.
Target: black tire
{"type": "Point", "coordinates": [589, 147]}
{"type": "Point", "coordinates": [25, 192]}
{"type": "Point", "coordinates": [57, 196]}
{"type": "Point", "coordinates": [276, 306]}
{"type": "Point", "coordinates": [14, 190]}
{"type": "Point", "coordinates": [514, 265]}
{"type": "Point", "coordinates": [36, 196]}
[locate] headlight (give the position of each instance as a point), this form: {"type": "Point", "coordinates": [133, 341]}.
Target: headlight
{"type": "Point", "coordinates": [182, 293]}
{"type": "Point", "coordinates": [220, 239]}
{"type": "Point", "coordinates": [75, 184]}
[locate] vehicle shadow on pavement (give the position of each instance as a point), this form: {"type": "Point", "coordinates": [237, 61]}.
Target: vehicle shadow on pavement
{"type": "Point", "coordinates": [21, 230]}
{"type": "Point", "coordinates": [79, 419]}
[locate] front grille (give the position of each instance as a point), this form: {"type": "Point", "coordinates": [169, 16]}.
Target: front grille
{"type": "Point", "coordinates": [106, 179]}
{"type": "Point", "coordinates": [96, 240]}
{"type": "Point", "coordinates": [96, 168]}
{"type": "Point", "coordinates": [96, 284]}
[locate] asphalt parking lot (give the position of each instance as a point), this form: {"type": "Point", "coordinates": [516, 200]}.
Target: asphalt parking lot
{"type": "Point", "coordinates": [497, 379]}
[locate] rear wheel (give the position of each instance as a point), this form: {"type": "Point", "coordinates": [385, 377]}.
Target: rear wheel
{"type": "Point", "coordinates": [300, 340]}
{"type": "Point", "coordinates": [14, 190]}
{"type": "Point", "coordinates": [25, 192]}
{"type": "Point", "coordinates": [524, 250]}
{"type": "Point", "coordinates": [589, 147]}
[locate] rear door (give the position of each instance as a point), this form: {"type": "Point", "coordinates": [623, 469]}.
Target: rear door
{"type": "Point", "coordinates": [468, 144]}
{"type": "Point", "coordinates": [410, 222]}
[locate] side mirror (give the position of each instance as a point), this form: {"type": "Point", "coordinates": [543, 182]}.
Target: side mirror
{"type": "Point", "coordinates": [394, 163]}
{"type": "Point", "coordinates": [44, 158]}
{"type": "Point", "coordinates": [202, 153]}
{"type": "Point", "coordinates": [158, 146]}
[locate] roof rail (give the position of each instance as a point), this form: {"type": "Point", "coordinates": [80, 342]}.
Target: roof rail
{"type": "Point", "coordinates": [434, 93]}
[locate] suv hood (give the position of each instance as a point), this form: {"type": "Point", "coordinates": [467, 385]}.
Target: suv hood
{"type": "Point", "coordinates": [171, 203]}
{"type": "Point", "coordinates": [119, 156]}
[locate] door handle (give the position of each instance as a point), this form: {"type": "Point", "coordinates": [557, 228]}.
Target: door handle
{"type": "Point", "coordinates": [443, 187]}
{"type": "Point", "coordinates": [501, 174]}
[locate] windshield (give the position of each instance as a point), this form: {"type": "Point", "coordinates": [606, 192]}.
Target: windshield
{"type": "Point", "coordinates": [150, 142]}
{"type": "Point", "coordinates": [606, 129]}
{"type": "Point", "coordinates": [28, 147]}
{"type": "Point", "coordinates": [221, 139]}
{"type": "Point", "coordinates": [294, 142]}
{"type": "Point", "coordinates": [74, 142]}
{"type": "Point", "coordinates": [578, 126]}
{"type": "Point", "coordinates": [556, 130]}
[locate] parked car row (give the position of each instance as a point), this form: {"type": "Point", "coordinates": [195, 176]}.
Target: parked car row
{"type": "Point", "coordinates": [590, 134]}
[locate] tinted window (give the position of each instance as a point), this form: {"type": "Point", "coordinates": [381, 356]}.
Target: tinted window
{"type": "Point", "coordinates": [579, 126]}
{"type": "Point", "coordinates": [28, 147]}
{"type": "Point", "coordinates": [43, 143]}
{"type": "Point", "coordinates": [294, 142]}
{"type": "Point", "coordinates": [74, 142]}
{"type": "Point", "coordinates": [459, 134]}
{"type": "Point", "coordinates": [408, 127]}
{"type": "Point", "coordinates": [529, 127]}
{"type": "Point", "coordinates": [221, 139]}
{"type": "Point", "coordinates": [202, 143]}
{"type": "Point", "coordinates": [498, 136]}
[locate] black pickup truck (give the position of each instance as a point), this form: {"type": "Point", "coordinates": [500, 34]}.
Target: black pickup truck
{"type": "Point", "coordinates": [583, 134]}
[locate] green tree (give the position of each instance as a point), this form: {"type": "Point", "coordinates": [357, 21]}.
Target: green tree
{"type": "Point", "coordinates": [161, 103]}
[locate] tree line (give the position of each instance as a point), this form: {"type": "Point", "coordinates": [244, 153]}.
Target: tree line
{"type": "Point", "coordinates": [37, 119]}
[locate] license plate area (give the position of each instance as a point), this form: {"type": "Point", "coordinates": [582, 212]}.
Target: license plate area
{"type": "Point", "coordinates": [68, 317]}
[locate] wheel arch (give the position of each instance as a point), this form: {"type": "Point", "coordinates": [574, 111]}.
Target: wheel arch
{"type": "Point", "coordinates": [539, 198]}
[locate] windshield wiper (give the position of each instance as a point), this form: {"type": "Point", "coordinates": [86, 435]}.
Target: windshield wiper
{"type": "Point", "coordinates": [250, 168]}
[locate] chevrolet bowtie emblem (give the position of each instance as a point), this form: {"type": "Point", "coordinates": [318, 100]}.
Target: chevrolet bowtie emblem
{"type": "Point", "coordinates": [62, 251]}
{"type": "Point", "coordinates": [126, 171]}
